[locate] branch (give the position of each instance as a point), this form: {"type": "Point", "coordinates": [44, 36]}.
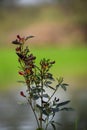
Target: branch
{"type": "Point", "coordinates": [33, 112]}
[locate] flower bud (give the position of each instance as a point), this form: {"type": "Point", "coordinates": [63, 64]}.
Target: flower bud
{"type": "Point", "coordinates": [21, 39]}
{"type": "Point", "coordinates": [18, 49]}
{"type": "Point", "coordinates": [21, 72]}
{"type": "Point", "coordinates": [27, 71]}
{"type": "Point", "coordinates": [22, 94]}
{"type": "Point", "coordinates": [52, 62]}
{"type": "Point", "coordinates": [18, 37]}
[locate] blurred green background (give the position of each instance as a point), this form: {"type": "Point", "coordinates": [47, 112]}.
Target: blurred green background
{"type": "Point", "coordinates": [60, 30]}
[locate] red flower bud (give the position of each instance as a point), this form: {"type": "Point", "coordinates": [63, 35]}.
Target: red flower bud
{"type": "Point", "coordinates": [21, 39]}
{"type": "Point", "coordinates": [22, 94]}
{"type": "Point", "coordinates": [27, 71]}
{"type": "Point", "coordinates": [21, 72]}
{"type": "Point", "coordinates": [18, 37]}
{"type": "Point", "coordinates": [18, 49]}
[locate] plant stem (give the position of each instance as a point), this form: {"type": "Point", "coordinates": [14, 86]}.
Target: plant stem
{"type": "Point", "coordinates": [41, 115]}
{"type": "Point", "coordinates": [52, 95]}
{"type": "Point", "coordinates": [46, 126]}
{"type": "Point", "coordinates": [33, 112]}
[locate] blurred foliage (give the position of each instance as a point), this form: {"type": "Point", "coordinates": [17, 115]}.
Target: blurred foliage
{"type": "Point", "coordinates": [17, 17]}
{"type": "Point", "coordinates": [78, 8]}
{"type": "Point", "coordinates": [7, 2]}
{"type": "Point", "coordinates": [13, 19]}
{"type": "Point", "coordinates": [29, 14]}
{"type": "Point", "coordinates": [70, 62]}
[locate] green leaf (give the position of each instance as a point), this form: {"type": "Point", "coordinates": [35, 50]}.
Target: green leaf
{"type": "Point", "coordinates": [63, 103]}
{"type": "Point", "coordinates": [48, 82]}
{"type": "Point", "coordinates": [28, 37]}
{"type": "Point", "coordinates": [35, 97]}
{"type": "Point", "coordinates": [40, 108]}
{"type": "Point", "coordinates": [46, 95]}
{"type": "Point", "coordinates": [21, 81]}
{"type": "Point", "coordinates": [67, 109]}
{"type": "Point", "coordinates": [49, 76]}
{"type": "Point", "coordinates": [51, 87]}
{"type": "Point", "coordinates": [36, 89]}
{"type": "Point", "coordinates": [64, 86]}
{"type": "Point", "coordinates": [60, 80]}
{"type": "Point", "coordinates": [55, 109]}
{"type": "Point", "coordinates": [57, 86]}
{"type": "Point", "coordinates": [53, 125]}
{"type": "Point", "coordinates": [45, 113]}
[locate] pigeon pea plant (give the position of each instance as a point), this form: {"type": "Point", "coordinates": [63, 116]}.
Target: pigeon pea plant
{"type": "Point", "coordinates": [37, 79]}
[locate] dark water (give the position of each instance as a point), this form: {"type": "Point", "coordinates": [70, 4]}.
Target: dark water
{"type": "Point", "coordinates": [17, 116]}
